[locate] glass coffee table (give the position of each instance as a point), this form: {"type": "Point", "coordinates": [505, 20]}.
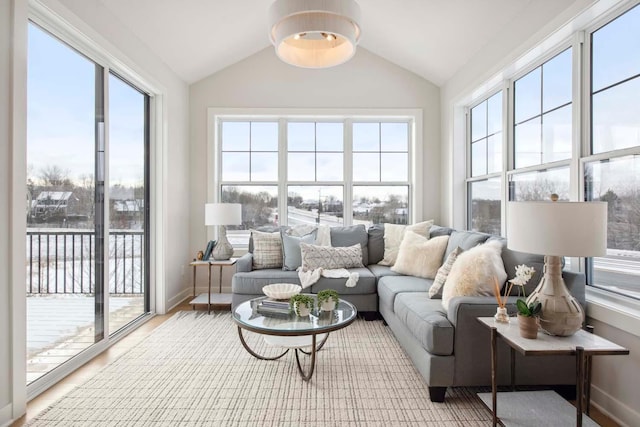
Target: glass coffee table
{"type": "Point", "coordinates": [291, 331]}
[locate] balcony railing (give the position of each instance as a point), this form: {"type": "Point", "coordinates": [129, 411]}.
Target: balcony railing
{"type": "Point", "coordinates": [62, 261]}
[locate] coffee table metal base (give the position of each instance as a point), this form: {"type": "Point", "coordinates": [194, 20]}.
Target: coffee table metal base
{"type": "Point", "coordinates": [306, 376]}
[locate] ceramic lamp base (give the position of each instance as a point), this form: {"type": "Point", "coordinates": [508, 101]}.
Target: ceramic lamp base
{"type": "Point", "coordinates": [223, 249]}
{"type": "Point", "coordinates": [562, 315]}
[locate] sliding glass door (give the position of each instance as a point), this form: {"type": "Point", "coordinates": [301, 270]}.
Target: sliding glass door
{"type": "Point", "coordinates": [87, 203]}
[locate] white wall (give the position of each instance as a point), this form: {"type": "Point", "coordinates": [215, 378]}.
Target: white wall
{"type": "Point", "coordinates": [615, 378]}
{"type": "Point", "coordinates": [263, 81]}
{"type": "Point", "coordinates": [96, 23]}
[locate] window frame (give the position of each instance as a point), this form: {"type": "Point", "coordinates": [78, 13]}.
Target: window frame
{"type": "Point", "coordinates": [215, 116]}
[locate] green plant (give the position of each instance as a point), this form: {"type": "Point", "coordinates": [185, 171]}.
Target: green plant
{"type": "Point", "coordinates": [529, 310]}
{"type": "Point", "coordinates": [328, 294]}
{"type": "Point", "coordinates": [301, 299]}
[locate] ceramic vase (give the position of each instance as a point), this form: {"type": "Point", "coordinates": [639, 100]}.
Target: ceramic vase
{"type": "Point", "coordinates": [528, 326]}
{"type": "Point", "coordinates": [301, 309]}
{"type": "Point", "coordinates": [328, 305]}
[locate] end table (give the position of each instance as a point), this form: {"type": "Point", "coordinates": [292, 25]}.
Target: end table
{"type": "Point", "coordinates": [210, 299]}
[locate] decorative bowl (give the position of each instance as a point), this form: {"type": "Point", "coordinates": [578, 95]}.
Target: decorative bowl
{"type": "Point", "coordinates": [281, 290]}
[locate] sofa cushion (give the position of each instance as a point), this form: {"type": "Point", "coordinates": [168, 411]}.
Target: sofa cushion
{"type": "Point", "coordinates": [375, 244]}
{"type": "Point", "coordinates": [419, 256]}
{"type": "Point", "coordinates": [252, 282]}
{"type": "Point", "coordinates": [435, 291]}
{"type": "Point", "coordinates": [382, 270]}
{"type": "Point", "coordinates": [512, 259]}
{"type": "Point", "coordinates": [426, 320]}
{"type": "Point", "coordinates": [267, 249]}
{"type": "Point", "coordinates": [390, 286]}
{"type": "Point", "coordinates": [393, 235]}
{"type": "Point", "coordinates": [291, 253]}
{"type": "Point", "coordinates": [366, 283]}
{"type": "Point", "coordinates": [328, 257]}
{"type": "Point", "coordinates": [465, 239]}
{"type": "Point", "coordinates": [437, 230]}
{"type": "Point", "coordinates": [474, 272]}
{"type": "Point", "coordinates": [349, 236]}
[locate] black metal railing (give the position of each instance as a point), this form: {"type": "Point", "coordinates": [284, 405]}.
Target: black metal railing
{"type": "Point", "coordinates": [63, 262]}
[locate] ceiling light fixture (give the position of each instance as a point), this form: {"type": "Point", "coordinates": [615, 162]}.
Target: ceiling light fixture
{"type": "Point", "coordinates": [314, 33]}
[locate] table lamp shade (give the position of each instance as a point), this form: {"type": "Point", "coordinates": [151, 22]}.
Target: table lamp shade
{"type": "Point", "coordinates": [574, 229]}
{"type": "Point", "coordinates": [557, 229]}
{"type": "Point", "coordinates": [222, 214]}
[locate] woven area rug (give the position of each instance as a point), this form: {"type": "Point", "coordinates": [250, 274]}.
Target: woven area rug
{"type": "Point", "coordinates": [192, 370]}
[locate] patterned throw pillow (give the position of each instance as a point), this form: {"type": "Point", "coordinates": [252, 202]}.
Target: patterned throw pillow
{"type": "Point", "coordinates": [267, 250]}
{"type": "Point", "coordinates": [435, 291]}
{"type": "Point", "coordinates": [329, 257]}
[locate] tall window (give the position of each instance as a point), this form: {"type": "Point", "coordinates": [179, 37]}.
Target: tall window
{"type": "Point", "coordinates": [484, 189]}
{"type": "Point", "coordinates": [542, 131]}
{"type": "Point", "coordinates": [319, 171]}
{"type": "Point", "coordinates": [612, 173]}
{"type": "Point", "coordinates": [77, 262]}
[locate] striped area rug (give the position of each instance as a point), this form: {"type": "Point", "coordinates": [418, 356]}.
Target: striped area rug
{"type": "Point", "coordinates": [193, 371]}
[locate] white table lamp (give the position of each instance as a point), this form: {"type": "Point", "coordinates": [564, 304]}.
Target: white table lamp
{"type": "Point", "coordinates": [555, 230]}
{"type": "Point", "coordinates": [222, 214]}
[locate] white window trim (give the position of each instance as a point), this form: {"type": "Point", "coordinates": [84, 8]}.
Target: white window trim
{"type": "Point", "coordinates": [614, 309]}
{"type": "Point", "coordinates": [413, 116]}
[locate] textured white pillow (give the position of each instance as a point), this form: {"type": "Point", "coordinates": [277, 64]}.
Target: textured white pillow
{"type": "Point", "coordinates": [435, 291]}
{"type": "Point", "coordinates": [329, 257]}
{"type": "Point", "coordinates": [419, 256]}
{"type": "Point", "coordinates": [473, 272]}
{"type": "Point", "coordinates": [393, 235]}
{"type": "Point", "coordinates": [267, 249]}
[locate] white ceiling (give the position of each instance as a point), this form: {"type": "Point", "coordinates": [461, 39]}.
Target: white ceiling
{"type": "Point", "coordinates": [432, 38]}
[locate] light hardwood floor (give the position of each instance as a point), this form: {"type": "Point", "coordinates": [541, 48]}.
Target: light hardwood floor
{"type": "Point", "coordinates": [47, 398]}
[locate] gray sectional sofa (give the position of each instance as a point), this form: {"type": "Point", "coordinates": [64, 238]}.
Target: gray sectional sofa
{"type": "Point", "coordinates": [449, 348]}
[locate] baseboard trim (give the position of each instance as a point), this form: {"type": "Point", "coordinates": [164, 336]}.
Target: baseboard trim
{"type": "Point", "coordinates": [177, 299]}
{"type": "Point", "coordinates": [5, 415]}
{"type": "Point", "coordinates": [613, 408]}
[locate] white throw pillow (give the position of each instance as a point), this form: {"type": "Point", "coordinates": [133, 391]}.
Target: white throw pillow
{"type": "Point", "coordinates": [419, 256]}
{"type": "Point", "coordinates": [473, 272]}
{"type": "Point", "coordinates": [393, 235]}
{"type": "Point", "coordinates": [267, 249]}
{"type": "Point", "coordinates": [435, 291]}
{"type": "Point", "coordinates": [328, 257]}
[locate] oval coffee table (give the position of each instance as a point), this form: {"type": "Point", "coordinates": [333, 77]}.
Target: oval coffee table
{"type": "Point", "coordinates": [291, 331]}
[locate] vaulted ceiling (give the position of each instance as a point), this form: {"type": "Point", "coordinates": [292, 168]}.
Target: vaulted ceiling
{"type": "Point", "coordinates": [432, 38]}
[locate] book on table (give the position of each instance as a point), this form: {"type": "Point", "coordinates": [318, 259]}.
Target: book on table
{"type": "Point", "coordinates": [273, 307]}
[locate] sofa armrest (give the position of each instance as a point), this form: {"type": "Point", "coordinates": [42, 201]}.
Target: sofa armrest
{"type": "Point", "coordinates": [464, 309]}
{"type": "Point", "coordinates": [244, 263]}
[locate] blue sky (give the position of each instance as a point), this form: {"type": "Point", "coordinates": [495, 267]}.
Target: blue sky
{"type": "Point", "coordinates": [61, 114]}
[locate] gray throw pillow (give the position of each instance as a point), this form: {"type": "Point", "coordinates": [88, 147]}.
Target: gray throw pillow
{"type": "Point", "coordinates": [328, 257]}
{"type": "Point", "coordinates": [349, 236]}
{"type": "Point", "coordinates": [291, 254]}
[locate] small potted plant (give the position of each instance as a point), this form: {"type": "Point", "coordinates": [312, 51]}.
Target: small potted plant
{"type": "Point", "coordinates": [528, 318]}
{"type": "Point", "coordinates": [301, 304]}
{"type": "Point", "coordinates": [328, 299]}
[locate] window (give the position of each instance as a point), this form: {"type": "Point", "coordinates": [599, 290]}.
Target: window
{"type": "Point", "coordinates": [484, 191]}
{"type": "Point", "coordinates": [324, 170]}
{"type": "Point", "coordinates": [612, 172]}
{"type": "Point", "coordinates": [542, 113]}
{"type": "Point", "coordinates": [543, 143]}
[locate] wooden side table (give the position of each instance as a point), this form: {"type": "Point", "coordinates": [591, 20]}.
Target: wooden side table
{"type": "Point", "coordinates": [582, 344]}
{"type": "Point", "coordinates": [210, 299]}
